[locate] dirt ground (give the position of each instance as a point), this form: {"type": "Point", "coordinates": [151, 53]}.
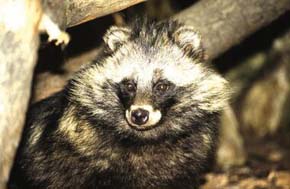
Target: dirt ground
{"type": "Point", "coordinates": [267, 167]}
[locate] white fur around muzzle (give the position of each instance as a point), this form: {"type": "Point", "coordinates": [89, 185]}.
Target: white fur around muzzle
{"type": "Point", "coordinates": [154, 115]}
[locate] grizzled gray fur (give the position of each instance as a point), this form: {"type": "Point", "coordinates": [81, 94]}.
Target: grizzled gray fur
{"type": "Point", "coordinates": [143, 115]}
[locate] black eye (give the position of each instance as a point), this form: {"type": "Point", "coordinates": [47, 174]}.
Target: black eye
{"type": "Point", "coordinates": [162, 87]}
{"type": "Point", "coordinates": [130, 87]}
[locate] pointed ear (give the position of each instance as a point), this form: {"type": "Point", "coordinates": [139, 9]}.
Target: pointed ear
{"type": "Point", "coordinates": [189, 40]}
{"type": "Point", "coordinates": [116, 36]}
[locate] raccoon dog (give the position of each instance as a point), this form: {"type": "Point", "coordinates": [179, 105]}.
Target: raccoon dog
{"type": "Point", "coordinates": [143, 115]}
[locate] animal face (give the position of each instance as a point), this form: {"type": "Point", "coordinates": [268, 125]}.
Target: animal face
{"type": "Point", "coordinates": [152, 83]}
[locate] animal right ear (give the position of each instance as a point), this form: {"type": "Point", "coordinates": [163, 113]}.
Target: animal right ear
{"type": "Point", "coordinates": [116, 36]}
{"type": "Point", "coordinates": [190, 41]}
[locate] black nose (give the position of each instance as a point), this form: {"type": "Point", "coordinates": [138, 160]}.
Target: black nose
{"type": "Point", "coordinates": [139, 116]}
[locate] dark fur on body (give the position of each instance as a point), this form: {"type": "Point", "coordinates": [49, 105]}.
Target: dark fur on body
{"type": "Point", "coordinates": [79, 137]}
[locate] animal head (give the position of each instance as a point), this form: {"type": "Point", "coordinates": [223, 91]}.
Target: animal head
{"type": "Point", "coordinates": [153, 82]}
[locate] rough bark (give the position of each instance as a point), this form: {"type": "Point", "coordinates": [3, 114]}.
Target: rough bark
{"type": "Point", "coordinates": [224, 23]}
{"type": "Point", "coordinates": [18, 46]}
{"type": "Point", "coordinates": [74, 12]}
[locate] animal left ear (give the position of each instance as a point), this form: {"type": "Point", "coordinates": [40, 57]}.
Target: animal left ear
{"type": "Point", "coordinates": [116, 37]}
{"type": "Point", "coordinates": [189, 40]}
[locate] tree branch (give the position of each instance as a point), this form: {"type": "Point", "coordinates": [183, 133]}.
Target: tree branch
{"type": "Point", "coordinates": [74, 12]}
{"type": "Point", "coordinates": [225, 23]}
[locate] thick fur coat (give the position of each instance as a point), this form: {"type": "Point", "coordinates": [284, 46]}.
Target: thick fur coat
{"type": "Point", "coordinates": [143, 115]}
